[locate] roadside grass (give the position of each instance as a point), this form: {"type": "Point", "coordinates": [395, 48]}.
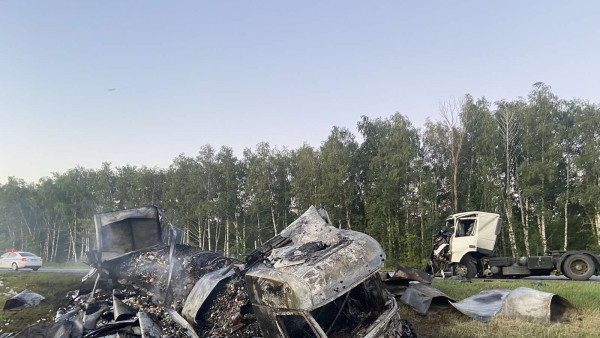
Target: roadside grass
{"type": "Point", "coordinates": [448, 322]}
{"type": "Point", "coordinates": [53, 286]}
{"type": "Point", "coordinates": [66, 266]}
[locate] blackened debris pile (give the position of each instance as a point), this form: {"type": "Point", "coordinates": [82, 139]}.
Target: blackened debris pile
{"type": "Point", "coordinates": [311, 279]}
{"type": "Point", "coordinates": [136, 288]}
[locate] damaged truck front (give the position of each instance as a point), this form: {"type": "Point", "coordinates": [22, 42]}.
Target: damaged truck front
{"type": "Point", "coordinates": [311, 280]}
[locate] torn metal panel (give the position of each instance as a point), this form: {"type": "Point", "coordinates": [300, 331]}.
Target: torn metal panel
{"type": "Point", "coordinates": [396, 282]}
{"type": "Point", "coordinates": [112, 328]}
{"type": "Point", "coordinates": [124, 231]}
{"type": "Point", "coordinates": [93, 311]}
{"type": "Point", "coordinates": [202, 291]}
{"type": "Point", "coordinates": [148, 327]}
{"type": "Point", "coordinates": [25, 299]}
{"type": "Point", "coordinates": [421, 297]}
{"type": "Point", "coordinates": [302, 276]}
{"type": "Point", "coordinates": [183, 323]}
{"type": "Point", "coordinates": [483, 305]}
{"type": "Point", "coordinates": [538, 306]}
{"type": "Point", "coordinates": [407, 273]}
{"type": "Point", "coordinates": [120, 310]}
{"type": "Point", "coordinates": [66, 329]}
{"type": "Point", "coordinates": [521, 303]}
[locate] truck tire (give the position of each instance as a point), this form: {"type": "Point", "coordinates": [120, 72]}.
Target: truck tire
{"type": "Point", "coordinates": [466, 268]}
{"type": "Point", "coordinates": [579, 267]}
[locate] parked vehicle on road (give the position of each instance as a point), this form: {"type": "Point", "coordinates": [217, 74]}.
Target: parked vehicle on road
{"type": "Point", "coordinates": [466, 247]}
{"type": "Point", "coordinates": [20, 259]}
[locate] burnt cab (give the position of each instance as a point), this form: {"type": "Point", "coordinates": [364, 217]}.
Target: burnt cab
{"type": "Point", "coordinates": [315, 280]}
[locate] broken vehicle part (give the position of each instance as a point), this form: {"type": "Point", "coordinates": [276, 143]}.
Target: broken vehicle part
{"type": "Point", "coordinates": [520, 303]}
{"type": "Point", "coordinates": [465, 247]}
{"type": "Point", "coordinates": [125, 231]}
{"type": "Point", "coordinates": [318, 280]}
{"type": "Point", "coordinates": [111, 328]}
{"type": "Point", "coordinates": [483, 305]}
{"type": "Point", "coordinates": [422, 296]}
{"type": "Point", "coordinates": [25, 299]}
{"type": "Point", "coordinates": [202, 291]}
{"type": "Point", "coordinates": [148, 327]}
{"type": "Point", "coordinates": [93, 311]}
{"type": "Point", "coordinates": [65, 329]}
{"type": "Point", "coordinates": [311, 278]}
{"type": "Point", "coordinates": [183, 323]}
{"type": "Point", "coordinates": [538, 306]}
{"type": "Point", "coordinates": [396, 282]}
{"type": "Point", "coordinates": [120, 310]}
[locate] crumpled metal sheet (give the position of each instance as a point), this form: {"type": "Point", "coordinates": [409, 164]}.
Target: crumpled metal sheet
{"type": "Point", "coordinates": [521, 303]}
{"type": "Point", "coordinates": [483, 305]}
{"type": "Point", "coordinates": [421, 296]}
{"type": "Point", "coordinates": [538, 306]}
{"type": "Point", "coordinates": [203, 289]}
{"type": "Point", "coordinates": [396, 282]}
{"type": "Point", "coordinates": [23, 300]}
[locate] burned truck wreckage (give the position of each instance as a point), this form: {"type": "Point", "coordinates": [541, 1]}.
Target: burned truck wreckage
{"type": "Point", "coordinates": [311, 280]}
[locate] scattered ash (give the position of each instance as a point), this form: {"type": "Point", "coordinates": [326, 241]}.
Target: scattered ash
{"type": "Point", "coordinates": [139, 281]}
{"type": "Point", "coordinates": [230, 313]}
{"type": "Point", "coordinates": [149, 270]}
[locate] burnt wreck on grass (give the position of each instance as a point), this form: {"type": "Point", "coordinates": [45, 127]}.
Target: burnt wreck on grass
{"type": "Point", "coordinates": [314, 280]}
{"type": "Point", "coordinates": [311, 280]}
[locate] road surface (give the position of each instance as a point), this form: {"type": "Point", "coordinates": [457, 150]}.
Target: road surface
{"type": "Point", "coordinates": [43, 270]}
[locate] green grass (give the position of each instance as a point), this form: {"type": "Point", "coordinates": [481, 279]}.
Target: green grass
{"type": "Point", "coordinates": [585, 296]}
{"type": "Point", "coordinates": [53, 286]}
{"type": "Point", "coordinates": [52, 265]}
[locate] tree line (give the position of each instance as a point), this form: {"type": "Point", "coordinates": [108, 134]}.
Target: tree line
{"type": "Point", "coordinates": [534, 160]}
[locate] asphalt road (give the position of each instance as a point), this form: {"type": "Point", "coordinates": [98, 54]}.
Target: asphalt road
{"type": "Point", "coordinates": [562, 278]}
{"type": "Point", "coordinates": [43, 270]}
{"type": "Point", "coordinates": [558, 278]}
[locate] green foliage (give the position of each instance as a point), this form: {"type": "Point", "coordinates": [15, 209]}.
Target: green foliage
{"type": "Point", "coordinates": [396, 185]}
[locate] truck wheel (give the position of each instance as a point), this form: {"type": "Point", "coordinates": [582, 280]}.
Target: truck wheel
{"type": "Point", "coordinates": [15, 267]}
{"type": "Point", "coordinates": [579, 267]}
{"type": "Point", "coordinates": [466, 268]}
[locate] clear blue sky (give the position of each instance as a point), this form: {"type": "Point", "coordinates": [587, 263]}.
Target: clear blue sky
{"type": "Point", "coordinates": [188, 73]}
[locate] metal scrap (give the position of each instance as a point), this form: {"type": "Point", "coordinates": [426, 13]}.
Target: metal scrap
{"type": "Point", "coordinates": [538, 306]}
{"type": "Point", "coordinates": [396, 282]}
{"type": "Point", "coordinates": [202, 291]}
{"type": "Point", "coordinates": [25, 299]}
{"type": "Point", "coordinates": [422, 296]}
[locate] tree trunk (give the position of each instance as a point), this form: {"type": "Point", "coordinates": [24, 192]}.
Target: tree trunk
{"type": "Point", "coordinates": [525, 222]}
{"type": "Point", "coordinates": [217, 235]}
{"type": "Point", "coordinates": [543, 232]}
{"type": "Point", "coordinates": [237, 236]}
{"type": "Point", "coordinates": [258, 223]}
{"type": "Point", "coordinates": [226, 237]}
{"type": "Point", "coordinates": [200, 234]}
{"type": "Point", "coordinates": [455, 187]}
{"type": "Point", "coordinates": [273, 219]}
{"type": "Point", "coordinates": [244, 233]}
{"type": "Point", "coordinates": [209, 238]}
{"type": "Point", "coordinates": [389, 235]}
{"type": "Point", "coordinates": [348, 223]}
